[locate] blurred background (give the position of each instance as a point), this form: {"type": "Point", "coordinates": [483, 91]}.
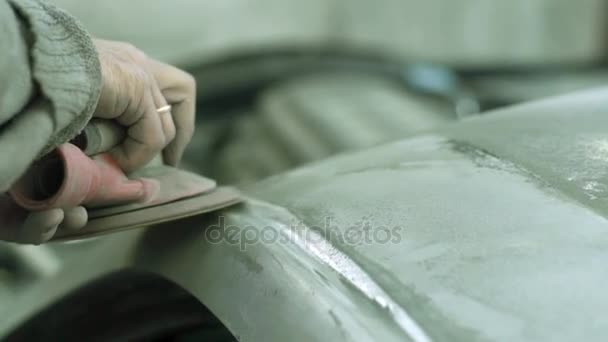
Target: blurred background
{"type": "Point", "coordinates": [287, 82]}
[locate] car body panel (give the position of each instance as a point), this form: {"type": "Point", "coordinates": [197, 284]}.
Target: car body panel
{"type": "Point", "coordinates": [502, 236]}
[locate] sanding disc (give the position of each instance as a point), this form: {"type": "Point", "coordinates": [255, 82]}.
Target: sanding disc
{"type": "Point", "coordinates": [221, 197]}
{"type": "Point", "coordinates": [168, 184]}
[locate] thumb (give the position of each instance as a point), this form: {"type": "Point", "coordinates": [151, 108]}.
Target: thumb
{"type": "Point", "coordinates": [17, 225]}
{"type": "Point", "coordinates": [40, 227]}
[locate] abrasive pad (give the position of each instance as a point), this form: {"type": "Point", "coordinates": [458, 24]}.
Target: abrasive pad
{"type": "Point", "coordinates": [178, 194]}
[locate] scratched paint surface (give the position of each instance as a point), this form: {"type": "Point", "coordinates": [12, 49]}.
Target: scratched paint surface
{"type": "Point", "coordinates": [502, 218]}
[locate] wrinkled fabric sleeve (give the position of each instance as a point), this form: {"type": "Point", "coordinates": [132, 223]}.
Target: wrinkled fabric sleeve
{"type": "Point", "coordinates": [50, 81]}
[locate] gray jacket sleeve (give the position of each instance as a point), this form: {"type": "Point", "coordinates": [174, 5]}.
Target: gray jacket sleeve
{"type": "Point", "coordinates": [50, 81]}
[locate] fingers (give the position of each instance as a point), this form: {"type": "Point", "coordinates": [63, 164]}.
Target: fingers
{"type": "Point", "coordinates": [145, 136]}
{"type": "Point", "coordinates": [184, 116]}
{"type": "Point", "coordinates": [165, 116]}
{"type": "Point", "coordinates": [179, 89]}
{"type": "Point", "coordinates": [36, 227]}
{"type": "Point", "coordinates": [11, 217]}
{"type": "Point", "coordinates": [74, 219]}
{"type": "Point", "coordinates": [134, 87]}
{"type": "Point", "coordinates": [40, 227]}
{"type": "Point", "coordinates": [16, 225]}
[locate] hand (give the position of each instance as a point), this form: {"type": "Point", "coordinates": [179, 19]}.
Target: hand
{"type": "Point", "coordinates": [134, 87]}
{"type": "Point", "coordinates": [17, 225]}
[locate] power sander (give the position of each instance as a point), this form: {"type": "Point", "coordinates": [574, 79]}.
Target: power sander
{"type": "Point", "coordinates": [83, 173]}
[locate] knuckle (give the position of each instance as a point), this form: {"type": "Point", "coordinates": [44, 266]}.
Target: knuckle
{"type": "Point", "coordinates": [189, 81]}
{"type": "Point", "coordinates": [134, 85]}
{"type": "Point", "coordinates": [157, 142]}
{"type": "Point", "coordinates": [186, 80]}
{"type": "Point", "coordinates": [120, 44]}
{"type": "Point", "coordinates": [170, 134]}
{"type": "Point", "coordinates": [190, 84]}
{"type": "Point", "coordinates": [135, 111]}
{"type": "Point", "coordinates": [140, 77]}
{"type": "Point", "coordinates": [137, 98]}
{"type": "Point", "coordinates": [132, 50]}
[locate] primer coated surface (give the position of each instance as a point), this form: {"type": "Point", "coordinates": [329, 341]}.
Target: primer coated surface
{"type": "Point", "coordinates": [502, 237]}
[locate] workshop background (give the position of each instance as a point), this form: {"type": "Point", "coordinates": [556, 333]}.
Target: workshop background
{"type": "Point", "coordinates": [282, 83]}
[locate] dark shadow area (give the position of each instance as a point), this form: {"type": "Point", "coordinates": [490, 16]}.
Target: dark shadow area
{"type": "Point", "coordinates": [125, 306]}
